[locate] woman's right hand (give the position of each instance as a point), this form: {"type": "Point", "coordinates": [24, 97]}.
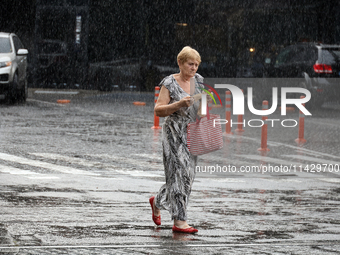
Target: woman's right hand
{"type": "Point", "coordinates": [163, 107]}
{"type": "Point", "coordinates": [186, 101]}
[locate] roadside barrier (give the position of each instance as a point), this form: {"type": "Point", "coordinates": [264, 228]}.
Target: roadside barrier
{"type": "Point", "coordinates": [301, 139]}
{"type": "Point", "coordinates": [240, 122]}
{"type": "Point", "coordinates": [228, 112]}
{"type": "Point", "coordinates": [139, 103]}
{"type": "Point", "coordinates": [264, 130]}
{"type": "Point", "coordinates": [156, 118]}
{"type": "Point", "coordinates": [63, 101]}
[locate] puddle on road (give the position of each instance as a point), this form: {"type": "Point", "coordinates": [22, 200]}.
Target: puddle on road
{"type": "Point", "coordinates": [75, 232]}
{"type": "Point", "coordinates": [267, 234]}
{"type": "Point", "coordinates": [34, 195]}
{"type": "Point", "coordinates": [244, 216]}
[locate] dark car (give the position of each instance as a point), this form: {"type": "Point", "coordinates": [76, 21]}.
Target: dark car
{"type": "Point", "coordinates": [317, 67]}
{"type": "Point", "coordinates": [128, 74]}
{"type": "Point", "coordinates": [53, 64]}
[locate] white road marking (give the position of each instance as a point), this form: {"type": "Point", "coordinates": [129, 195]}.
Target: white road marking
{"type": "Point", "coordinates": [56, 92]}
{"type": "Point", "coordinates": [265, 159]}
{"type": "Point", "coordinates": [25, 173]}
{"type": "Point", "coordinates": [150, 156]}
{"type": "Point", "coordinates": [319, 121]}
{"type": "Point", "coordinates": [332, 180]}
{"type": "Point", "coordinates": [313, 159]}
{"type": "Point", "coordinates": [250, 138]}
{"type": "Point", "coordinates": [88, 163]}
{"type": "Point", "coordinates": [297, 148]}
{"type": "Point", "coordinates": [14, 170]}
{"type": "Point", "coordinates": [221, 160]}
{"type": "Point", "coordinates": [229, 180]}
{"type": "Point", "coordinates": [128, 160]}
{"type": "Point", "coordinates": [133, 173]}
{"type": "Point", "coordinates": [79, 161]}
{"type": "Point", "coordinates": [45, 102]}
{"type": "Point", "coordinates": [37, 163]}
{"type": "Point", "coordinates": [137, 173]}
{"type": "Point", "coordinates": [45, 177]}
{"type": "Point", "coordinates": [300, 149]}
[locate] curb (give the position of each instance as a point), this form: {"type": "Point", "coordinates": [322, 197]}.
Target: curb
{"type": "Point", "coordinates": [66, 94]}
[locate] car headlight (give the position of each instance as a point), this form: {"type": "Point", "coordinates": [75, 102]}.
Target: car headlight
{"type": "Point", "coordinates": [5, 64]}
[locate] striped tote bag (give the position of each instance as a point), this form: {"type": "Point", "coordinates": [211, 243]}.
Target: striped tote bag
{"type": "Point", "coordinates": [205, 135]}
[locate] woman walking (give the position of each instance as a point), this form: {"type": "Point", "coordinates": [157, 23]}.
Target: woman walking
{"type": "Point", "coordinates": [174, 103]}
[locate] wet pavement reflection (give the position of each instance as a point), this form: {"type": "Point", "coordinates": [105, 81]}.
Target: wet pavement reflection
{"type": "Point", "coordinates": [80, 181]}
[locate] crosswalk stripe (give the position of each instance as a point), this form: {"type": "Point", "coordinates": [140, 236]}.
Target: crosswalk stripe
{"type": "Point", "coordinates": [331, 180]}
{"type": "Point", "coordinates": [265, 159]}
{"type": "Point", "coordinates": [297, 148]}
{"type": "Point", "coordinates": [37, 163]}
{"type": "Point", "coordinates": [150, 156]}
{"type": "Point", "coordinates": [136, 160]}
{"type": "Point", "coordinates": [137, 173]}
{"type": "Point", "coordinates": [313, 159]}
{"type": "Point", "coordinates": [128, 160]}
{"type": "Point", "coordinates": [88, 163]}
{"type": "Point", "coordinates": [42, 177]}
{"type": "Point", "coordinates": [221, 160]}
{"type": "Point", "coordinates": [25, 173]}
{"type": "Point", "coordinates": [13, 170]}
{"type": "Point", "coordinates": [78, 161]}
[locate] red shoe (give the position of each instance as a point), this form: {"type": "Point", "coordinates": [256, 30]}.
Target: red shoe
{"type": "Point", "coordinates": [189, 230]}
{"type": "Point", "coordinates": [156, 219]}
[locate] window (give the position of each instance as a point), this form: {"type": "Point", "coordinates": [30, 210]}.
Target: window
{"type": "Point", "coordinates": [285, 56]}
{"type": "Point", "coordinates": [17, 43]}
{"type": "Point", "coordinates": [305, 54]}
{"type": "Point", "coordinates": [330, 56]}
{"type": "Point", "coordinates": [5, 45]}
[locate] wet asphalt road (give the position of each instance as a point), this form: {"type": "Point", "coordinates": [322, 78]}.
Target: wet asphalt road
{"type": "Point", "coordinates": [76, 178]}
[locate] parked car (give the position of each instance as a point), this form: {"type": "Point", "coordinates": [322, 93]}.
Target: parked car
{"type": "Point", "coordinates": [108, 75]}
{"type": "Point", "coordinates": [317, 66]}
{"type": "Point", "coordinates": [13, 68]}
{"type": "Point", "coordinates": [128, 74]}
{"type": "Point", "coordinates": [53, 64]}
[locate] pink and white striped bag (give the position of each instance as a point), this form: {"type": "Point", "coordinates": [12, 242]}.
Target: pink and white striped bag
{"type": "Point", "coordinates": [203, 136]}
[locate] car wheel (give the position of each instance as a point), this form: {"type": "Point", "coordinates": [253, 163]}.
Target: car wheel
{"type": "Point", "coordinates": [13, 91]}
{"type": "Point", "coordinates": [24, 92]}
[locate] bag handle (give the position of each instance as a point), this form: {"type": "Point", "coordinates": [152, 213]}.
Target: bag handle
{"type": "Point", "coordinates": [208, 115]}
{"type": "Point", "coordinates": [207, 107]}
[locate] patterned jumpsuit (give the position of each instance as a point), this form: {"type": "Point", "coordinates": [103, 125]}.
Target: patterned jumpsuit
{"type": "Point", "coordinates": [179, 164]}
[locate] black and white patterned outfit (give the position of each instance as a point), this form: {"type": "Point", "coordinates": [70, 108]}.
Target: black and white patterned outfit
{"type": "Point", "coordinates": [179, 164]}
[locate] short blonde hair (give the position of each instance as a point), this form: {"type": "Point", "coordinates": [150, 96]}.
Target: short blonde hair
{"type": "Point", "coordinates": [188, 53]}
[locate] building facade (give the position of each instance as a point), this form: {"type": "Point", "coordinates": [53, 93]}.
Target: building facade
{"type": "Point", "coordinates": [230, 35]}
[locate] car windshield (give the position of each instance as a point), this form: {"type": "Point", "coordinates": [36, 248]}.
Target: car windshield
{"type": "Point", "coordinates": [5, 45]}
{"type": "Point", "coordinates": [330, 55]}
{"type": "Point", "coordinates": [285, 56]}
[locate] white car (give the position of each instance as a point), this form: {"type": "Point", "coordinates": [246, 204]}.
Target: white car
{"type": "Point", "coordinates": [13, 66]}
